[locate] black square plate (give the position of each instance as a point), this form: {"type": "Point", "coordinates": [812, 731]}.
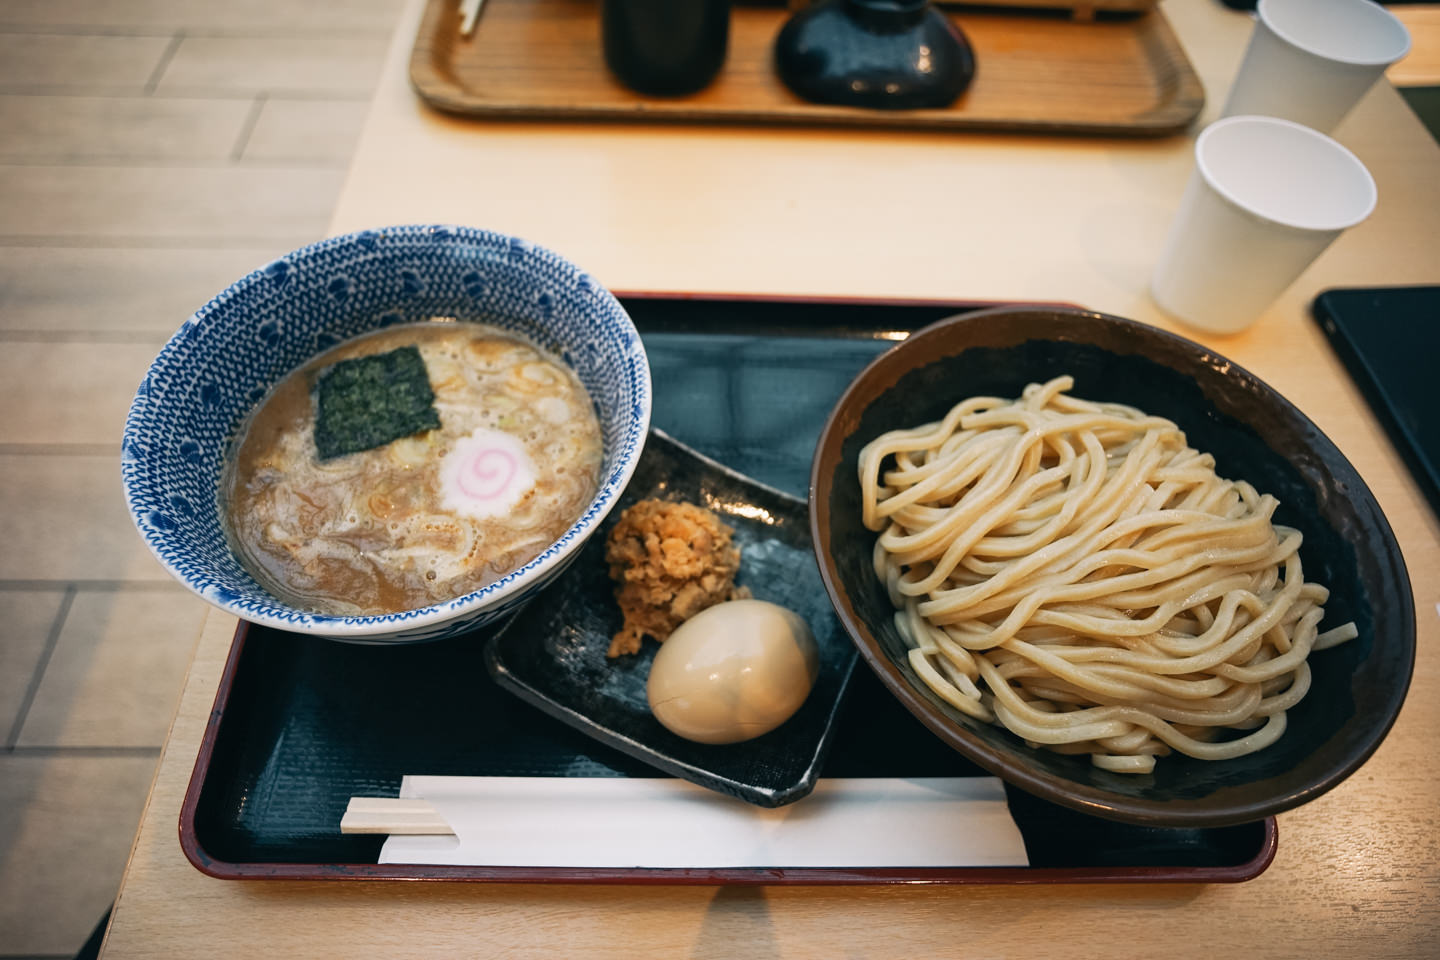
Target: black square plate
{"type": "Point", "coordinates": [552, 654]}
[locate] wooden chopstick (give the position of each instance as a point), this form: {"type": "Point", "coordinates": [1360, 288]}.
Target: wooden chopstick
{"type": "Point", "coordinates": [392, 815]}
{"type": "Point", "coordinates": [469, 13]}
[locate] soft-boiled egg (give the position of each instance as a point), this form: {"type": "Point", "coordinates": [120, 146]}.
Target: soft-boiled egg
{"type": "Point", "coordinates": [733, 671]}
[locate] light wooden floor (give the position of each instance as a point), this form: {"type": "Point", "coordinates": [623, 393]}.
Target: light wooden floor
{"type": "Point", "coordinates": [151, 151]}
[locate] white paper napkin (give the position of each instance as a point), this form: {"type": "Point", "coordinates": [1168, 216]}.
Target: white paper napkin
{"type": "Point", "coordinates": [623, 822]}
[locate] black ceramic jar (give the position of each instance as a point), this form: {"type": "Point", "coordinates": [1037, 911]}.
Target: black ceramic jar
{"type": "Point", "coordinates": [665, 47]}
{"type": "Point", "coordinates": [890, 54]}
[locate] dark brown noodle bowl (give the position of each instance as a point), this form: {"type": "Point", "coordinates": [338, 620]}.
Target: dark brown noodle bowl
{"type": "Point", "coordinates": [1254, 435]}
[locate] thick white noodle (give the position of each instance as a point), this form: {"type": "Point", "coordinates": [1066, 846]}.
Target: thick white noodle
{"type": "Point", "coordinates": [1076, 573]}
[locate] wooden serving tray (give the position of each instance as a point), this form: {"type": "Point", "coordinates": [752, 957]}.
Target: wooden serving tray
{"type": "Point", "coordinates": [1041, 72]}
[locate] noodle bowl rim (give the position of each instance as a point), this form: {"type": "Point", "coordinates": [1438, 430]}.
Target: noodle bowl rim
{"type": "Point", "coordinates": [938, 343]}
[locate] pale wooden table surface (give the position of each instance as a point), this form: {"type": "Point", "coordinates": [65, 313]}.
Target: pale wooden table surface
{"type": "Point", "coordinates": [786, 211]}
{"type": "Point", "coordinates": [1421, 66]}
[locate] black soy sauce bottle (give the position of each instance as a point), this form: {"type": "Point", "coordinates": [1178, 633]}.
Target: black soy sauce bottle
{"type": "Point", "coordinates": [665, 47]}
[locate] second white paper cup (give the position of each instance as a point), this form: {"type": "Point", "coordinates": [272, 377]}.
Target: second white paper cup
{"type": "Point", "coordinates": [1267, 196]}
{"type": "Point", "coordinates": [1311, 60]}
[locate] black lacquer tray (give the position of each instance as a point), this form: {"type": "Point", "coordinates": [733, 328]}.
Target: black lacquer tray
{"type": "Point", "coordinates": [300, 725]}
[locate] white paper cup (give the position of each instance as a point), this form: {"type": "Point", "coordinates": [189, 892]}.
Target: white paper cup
{"type": "Point", "coordinates": [1266, 198]}
{"type": "Point", "coordinates": [1311, 60]}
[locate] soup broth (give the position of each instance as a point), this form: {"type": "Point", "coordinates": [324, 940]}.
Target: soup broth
{"type": "Point", "coordinates": [428, 517]}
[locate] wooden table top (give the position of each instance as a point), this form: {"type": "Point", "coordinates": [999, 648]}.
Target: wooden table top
{"type": "Point", "coordinates": [729, 209]}
{"type": "Point", "coordinates": [1421, 66]}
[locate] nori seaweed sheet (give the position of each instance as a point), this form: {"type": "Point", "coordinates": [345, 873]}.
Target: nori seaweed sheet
{"type": "Point", "coordinates": [366, 402]}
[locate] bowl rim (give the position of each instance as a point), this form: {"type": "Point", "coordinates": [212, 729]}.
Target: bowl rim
{"type": "Point", "coordinates": [394, 627]}
{"type": "Point", "coordinates": [843, 422]}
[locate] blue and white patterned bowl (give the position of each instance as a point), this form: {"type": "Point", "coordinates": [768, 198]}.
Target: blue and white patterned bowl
{"type": "Point", "coordinates": [224, 359]}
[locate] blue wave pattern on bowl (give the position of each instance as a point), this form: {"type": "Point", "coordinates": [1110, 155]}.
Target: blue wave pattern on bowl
{"type": "Point", "coordinates": [224, 359]}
